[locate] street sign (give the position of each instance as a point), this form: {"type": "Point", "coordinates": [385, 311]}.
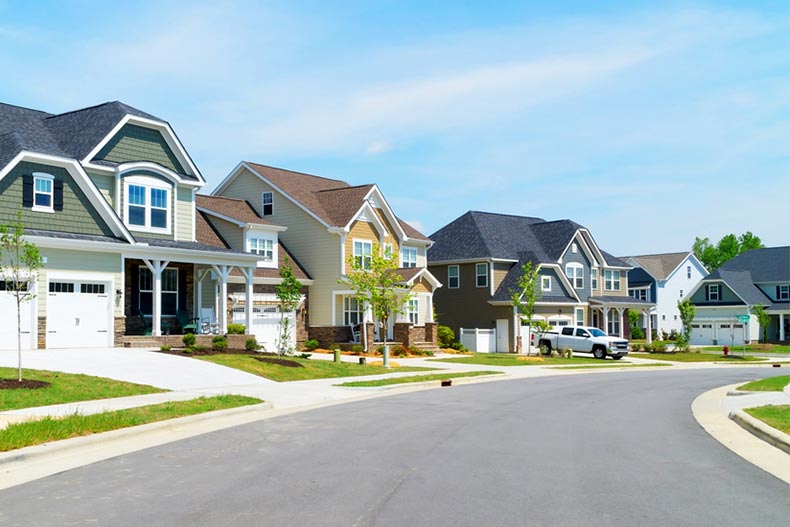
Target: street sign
{"type": "Point", "coordinates": [743, 318]}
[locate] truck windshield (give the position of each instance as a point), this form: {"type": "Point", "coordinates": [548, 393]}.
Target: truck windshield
{"type": "Point", "coordinates": [597, 332]}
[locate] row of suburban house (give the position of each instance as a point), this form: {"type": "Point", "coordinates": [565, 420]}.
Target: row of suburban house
{"type": "Point", "coordinates": [130, 248]}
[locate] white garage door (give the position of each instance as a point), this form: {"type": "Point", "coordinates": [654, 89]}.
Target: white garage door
{"type": "Point", "coordinates": [702, 334]}
{"type": "Point", "coordinates": [729, 334]}
{"type": "Point", "coordinates": [78, 314]}
{"type": "Point", "coordinates": [8, 326]}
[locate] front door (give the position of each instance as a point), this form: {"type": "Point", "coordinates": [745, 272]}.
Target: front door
{"type": "Point", "coordinates": [502, 336]}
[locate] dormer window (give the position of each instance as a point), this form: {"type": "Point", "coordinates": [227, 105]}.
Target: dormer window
{"type": "Point", "coordinates": [43, 192]}
{"type": "Point", "coordinates": [575, 273]}
{"type": "Point", "coordinates": [574, 248]}
{"type": "Point", "coordinates": [783, 292]}
{"type": "Point", "coordinates": [267, 204]}
{"type": "Point", "coordinates": [262, 247]}
{"type": "Point", "coordinates": [545, 283]}
{"type": "Point", "coordinates": [148, 204]}
{"type": "Point", "coordinates": [713, 292]}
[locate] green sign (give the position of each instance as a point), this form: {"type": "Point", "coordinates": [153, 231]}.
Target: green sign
{"type": "Point", "coordinates": [743, 318]}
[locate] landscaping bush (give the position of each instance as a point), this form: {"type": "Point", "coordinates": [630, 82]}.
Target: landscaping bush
{"type": "Point", "coordinates": [251, 344]}
{"type": "Point", "coordinates": [399, 351]}
{"type": "Point", "coordinates": [197, 348]}
{"type": "Point", "coordinates": [458, 347]}
{"type": "Point", "coordinates": [165, 347]}
{"type": "Point", "coordinates": [660, 346]}
{"type": "Point", "coordinates": [673, 335]}
{"type": "Point", "coordinates": [446, 336]}
{"type": "Point", "coordinates": [637, 333]}
{"type": "Point", "coordinates": [357, 348]}
{"type": "Point", "coordinates": [236, 329]}
{"type": "Point", "coordinates": [380, 349]}
{"type": "Point", "coordinates": [219, 342]}
{"type": "Point", "coordinates": [189, 340]}
{"type": "Point", "coordinates": [311, 344]}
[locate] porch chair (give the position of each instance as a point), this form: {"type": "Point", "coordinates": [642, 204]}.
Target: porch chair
{"type": "Point", "coordinates": [208, 323]}
{"type": "Point", "coordinates": [188, 324]}
{"type": "Point", "coordinates": [354, 333]}
{"type": "Point", "coordinates": [146, 323]}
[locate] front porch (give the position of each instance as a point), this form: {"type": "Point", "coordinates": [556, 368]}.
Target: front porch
{"type": "Point", "coordinates": [610, 314]}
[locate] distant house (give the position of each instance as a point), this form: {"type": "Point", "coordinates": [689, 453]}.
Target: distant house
{"type": "Point", "coordinates": [664, 279]}
{"type": "Point", "coordinates": [328, 223]}
{"type": "Point", "coordinates": [756, 277]}
{"type": "Point", "coordinates": [479, 257]}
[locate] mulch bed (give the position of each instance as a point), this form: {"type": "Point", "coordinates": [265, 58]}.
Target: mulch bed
{"type": "Point", "coordinates": [13, 384]}
{"type": "Point", "coordinates": [210, 351]}
{"type": "Point", "coordinates": [280, 362]}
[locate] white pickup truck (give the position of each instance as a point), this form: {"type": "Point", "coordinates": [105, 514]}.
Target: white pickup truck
{"type": "Point", "coordinates": [584, 339]}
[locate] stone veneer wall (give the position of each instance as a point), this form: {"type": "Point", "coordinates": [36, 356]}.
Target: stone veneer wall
{"type": "Point", "coordinates": [42, 333]}
{"type": "Point", "coordinates": [119, 330]}
{"type": "Point", "coordinates": [409, 335]}
{"type": "Point", "coordinates": [326, 335]}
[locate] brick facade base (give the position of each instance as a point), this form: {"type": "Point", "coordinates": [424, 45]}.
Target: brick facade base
{"type": "Point", "coordinates": [42, 333]}
{"type": "Point", "coordinates": [119, 331]}
{"type": "Point", "coordinates": [328, 335]}
{"type": "Point", "coordinates": [137, 341]}
{"type": "Point", "coordinates": [409, 335]}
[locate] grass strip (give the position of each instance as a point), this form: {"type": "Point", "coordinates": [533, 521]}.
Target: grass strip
{"type": "Point", "coordinates": [626, 365]}
{"type": "Point", "coordinates": [698, 357]}
{"type": "Point", "coordinates": [753, 348]}
{"type": "Point", "coordinates": [311, 369]}
{"type": "Point", "coordinates": [771, 384]}
{"type": "Point", "coordinates": [49, 429]}
{"type": "Point", "coordinates": [775, 416]}
{"type": "Point", "coordinates": [417, 378]}
{"type": "Point", "coordinates": [512, 359]}
{"type": "Point", "coordinates": [65, 388]}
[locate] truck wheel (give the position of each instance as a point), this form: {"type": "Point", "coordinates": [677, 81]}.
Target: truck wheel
{"type": "Point", "coordinates": [547, 345]}
{"type": "Point", "coordinates": [599, 352]}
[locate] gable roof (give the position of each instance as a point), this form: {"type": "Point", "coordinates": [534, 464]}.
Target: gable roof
{"type": "Point", "coordinates": [71, 134]}
{"type": "Point", "coordinates": [660, 266]}
{"type": "Point", "coordinates": [332, 201]}
{"type": "Point", "coordinates": [742, 284]}
{"type": "Point", "coordinates": [770, 264]}
{"type": "Point", "coordinates": [237, 209]}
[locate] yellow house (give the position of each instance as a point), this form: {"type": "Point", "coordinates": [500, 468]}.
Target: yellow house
{"type": "Point", "coordinates": [329, 222]}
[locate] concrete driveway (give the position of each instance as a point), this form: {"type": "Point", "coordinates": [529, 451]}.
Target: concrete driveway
{"type": "Point", "coordinates": [136, 365]}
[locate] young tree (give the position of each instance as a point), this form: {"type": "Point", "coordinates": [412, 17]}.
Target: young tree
{"type": "Point", "coordinates": [376, 282]}
{"type": "Point", "coordinates": [19, 260]}
{"type": "Point", "coordinates": [525, 296]}
{"type": "Point", "coordinates": [687, 313]}
{"type": "Point", "coordinates": [729, 246]}
{"type": "Point", "coordinates": [763, 319]}
{"type": "Point", "coordinates": [289, 293]}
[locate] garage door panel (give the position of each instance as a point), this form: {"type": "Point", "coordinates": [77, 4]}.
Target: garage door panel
{"type": "Point", "coordinates": [8, 326]}
{"type": "Point", "coordinates": [77, 315]}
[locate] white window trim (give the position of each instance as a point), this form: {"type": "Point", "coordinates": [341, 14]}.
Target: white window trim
{"type": "Point", "coordinates": [543, 281]}
{"type": "Point", "coordinates": [594, 278]}
{"type": "Point", "coordinates": [347, 311]}
{"type": "Point", "coordinates": [574, 248]}
{"type": "Point", "coordinates": [612, 280]}
{"type": "Point", "coordinates": [457, 277]}
{"type": "Point", "coordinates": [784, 292]}
{"type": "Point", "coordinates": [408, 263]}
{"type": "Point", "coordinates": [271, 194]}
{"type": "Point", "coordinates": [576, 267]}
{"type": "Point", "coordinates": [413, 311]}
{"type": "Point", "coordinates": [576, 312]}
{"type": "Point", "coordinates": [711, 289]}
{"type": "Point", "coordinates": [149, 183]}
{"type": "Point", "coordinates": [478, 275]}
{"type": "Point", "coordinates": [163, 292]}
{"type": "Point", "coordinates": [354, 251]}
{"type": "Point", "coordinates": [51, 193]}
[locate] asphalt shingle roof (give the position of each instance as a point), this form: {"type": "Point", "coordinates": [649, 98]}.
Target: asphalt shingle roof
{"type": "Point", "coordinates": [660, 266]}
{"type": "Point", "coordinates": [770, 264]}
{"type": "Point", "coordinates": [238, 209]}
{"type": "Point", "coordinates": [742, 283]}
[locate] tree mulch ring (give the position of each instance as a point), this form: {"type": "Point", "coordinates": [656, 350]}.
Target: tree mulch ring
{"type": "Point", "coordinates": [280, 362]}
{"type": "Point", "coordinates": [14, 384]}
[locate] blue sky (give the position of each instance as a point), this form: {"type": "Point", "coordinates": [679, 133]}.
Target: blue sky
{"type": "Point", "coordinates": [648, 123]}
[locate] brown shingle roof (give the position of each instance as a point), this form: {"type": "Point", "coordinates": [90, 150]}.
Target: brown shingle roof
{"type": "Point", "coordinates": [407, 273]}
{"type": "Point", "coordinates": [332, 200]}
{"type": "Point", "coordinates": [206, 234]}
{"type": "Point", "coordinates": [660, 266]}
{"type": "Point", "coordinates": [282, 254]}
{"type": "Point", "coordinates": [238, 209]}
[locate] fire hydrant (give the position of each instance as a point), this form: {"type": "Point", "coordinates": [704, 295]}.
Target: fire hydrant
{"type": "Point", "coordinates": [726, 350]}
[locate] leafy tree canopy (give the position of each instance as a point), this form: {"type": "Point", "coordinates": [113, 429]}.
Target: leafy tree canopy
{"type": "Point", "coordinates": [713, 256]}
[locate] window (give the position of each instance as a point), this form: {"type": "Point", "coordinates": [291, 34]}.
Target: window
{"type": "Point", "coordinates": [713, 292]}
{"type": "Point", "coordinates": [567, 331]}
{"type": "Point", "coordinates": [639, 294]}
{"type": "Point", "coordinates": [262, 247]}
{"type": "Point", "coordinates": [676, 317]}
{"type": "Point", "coordinates": [581, 333]}
{"type": "Point", "coordinates": [481, 275]}
{"type": "Point", "coordinates": [363, 254]}
{"type": "Point", "coordinates": [545, 283]}
{"type": "Point", "coordinates": [10, 285]}
{"type": "Point", "coordinates": [453, 279]}
{"type": "Point", "coordinates": [574, 248]}
{"type": "Point", "coordinates": [61, 287]}
{"type": "Point", "coordinates": [267, 204]}
{"type": "Point", "coordinates": [147, 207]}
{"type": "Point", "coordinates": [613, 327]}
{"type": "Point", "coordinates": [594, 278]}
{"type": "Point", "coordinates": [580, 317]}
{"type": "Point", "coordinates": [681, 293]}
{"type": "Point", "coordinates": [352, 311]}
{"type": "Point", "coordinates": [575, 273]}
{"type": "Point", "coordinates": [409, 256]}
{"type": "Point", "coordinates": [688, 271]}
{"type": "Point", "coordinates": [92, 289]}
{"type": "Point", "coordinates": [388, 250]}
{"type": "Point", "coordinates": [414, 311]}
{"type": "Point", "coordinates": [169, 291]}
{"type": "Point", "coordinates": [43, 193]}
{"type": "Point", "coordinates": [783, 292]}
{"type": "Point", "coordinates": [611, 280]}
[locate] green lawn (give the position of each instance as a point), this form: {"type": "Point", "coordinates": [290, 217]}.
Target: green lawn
{"type": "Point", "coordinates": [511, 359]}
{"type": "Point", "coordinates": [775, 416]}
{"type": "Point", "coordinates": [53, 429]}
{"type": "Point", "coordinates": [752, 348]}
{"type": "Point", "coordinates": [593, 367]}
{"type": "Point", "coordinates": [771, 384]}
{"type": "Point", "coordinates": [418, 378]}
{"type": "Point", "coordinates": [64, 388]}
{"type": "Point", "coordinates": [697, 357]}
{"type": "Point", "coordinates": [312, 369]}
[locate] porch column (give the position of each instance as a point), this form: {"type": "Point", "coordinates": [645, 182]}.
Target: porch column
{"type": "Point", "coordinates": [156, 267]}
{"type": "Point", "coordinates": [649, 335]}
{"type": "Point", "coordinates": [248, 290]}
{"type": "Point", "coordinates": [223, 272]}
{"type": "Point", "coordinates": [782, 327]}
{"type": "Point", "coordinates": [620, 312]}
{"type": "Point", "coordinates": [605, 319]}
{"type": "Point", "coordinates": [430, 308]}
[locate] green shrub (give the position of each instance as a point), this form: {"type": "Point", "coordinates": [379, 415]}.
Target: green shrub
{"type": "Point", "coordinates": [236, 329]}
{"type": "Point", "coordinates": [189, 340]}
{"type": "Point", "coordinates": [305, 355]}
{"type": "Point", "coordinates": [399, 351]}
{"type": "Point", "coordinates": [446, 336]}
{"type": "Point", "coordinates": [660, 346]}
{"type": "Point", "coordinates": [219, 342]}
{"type": "Point", "coordinates": [380, 350]}
{"type": "Point", "coordinates": [165, 347]}
{"type": "Point", "coordinates": [357, 348]}
{"type": "Point", "coordinates": [311, 344]}
{"type": "Point", "coordinates": [637, 333]}
{"type": "Point", "coordinates": [198, 348]}
{"type": "Point", "coordinates": [251, 344]}
{"type": "Point", "coordinates": [458, 347]}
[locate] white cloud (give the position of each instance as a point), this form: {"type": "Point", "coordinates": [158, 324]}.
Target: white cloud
{"type": "Point", "coordinates": [378, 147]}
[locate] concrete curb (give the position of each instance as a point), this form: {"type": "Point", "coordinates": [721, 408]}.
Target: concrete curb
{"type": "Point", "coordinates": [437, 383]}
{"type": "Point", "coordinates": [767, 433]}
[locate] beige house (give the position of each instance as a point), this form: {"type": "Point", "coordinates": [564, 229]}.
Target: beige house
{"type": "Point", "coordinates": [327, 224]}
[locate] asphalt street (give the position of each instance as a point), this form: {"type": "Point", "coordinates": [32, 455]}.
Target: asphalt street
{"type": "Point", "coordinates": [607, 449]}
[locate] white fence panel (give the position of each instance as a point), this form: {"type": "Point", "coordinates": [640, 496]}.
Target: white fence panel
{"type": "Point", "coordinates": [480, 340]}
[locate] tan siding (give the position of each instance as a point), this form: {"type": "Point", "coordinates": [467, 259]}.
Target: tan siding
{"type": "Point", "coordinates": [184, 207]}
{"type": "Point", "coordinates": [79, 262]}
{"type": "Point", "coordinates": [230, 232]}
{"type": "Point", "coordinates": [420, 287]}
{"type": "Point", "coordinates": [391, 236]}
{"type": "Point", "coordinates": [308, 240]}
{"type": "Point", "coordinates": [500, 271]}
{"type": "Point", "coordinates": [360, 230]}
{"type": "Point", "coordinates": [106, 185]}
